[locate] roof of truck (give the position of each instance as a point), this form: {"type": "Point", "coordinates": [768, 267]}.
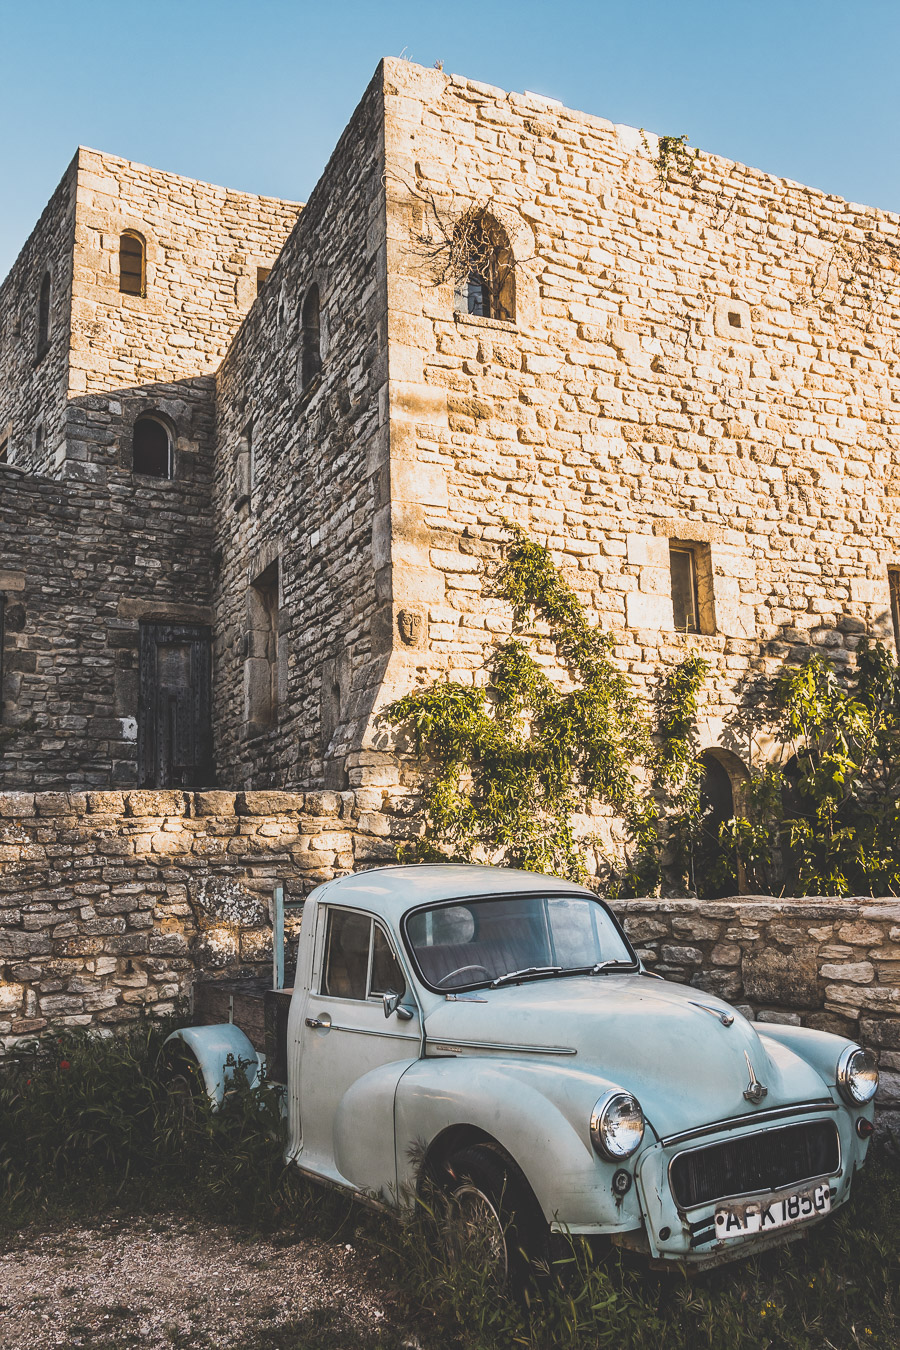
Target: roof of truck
{"type": "Point", "coordinates": [391, 891]}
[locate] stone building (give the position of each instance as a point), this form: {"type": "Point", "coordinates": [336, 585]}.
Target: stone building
{"type": "Point", "coordinates": [253, 457]}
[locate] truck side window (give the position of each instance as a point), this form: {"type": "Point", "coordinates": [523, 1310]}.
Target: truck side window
{"type": "Point", "coordinates": [387, 977]}
{"type": "Point", "coordinates": [347, 954]}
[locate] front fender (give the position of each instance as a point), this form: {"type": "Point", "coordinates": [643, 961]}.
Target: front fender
{"type": "Point", "coordinates": [540, 1114]}
{"type": "Point", "coordinates": [212, 1047]}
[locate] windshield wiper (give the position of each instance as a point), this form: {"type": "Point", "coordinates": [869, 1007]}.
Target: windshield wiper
{"type": "Point", "coordinates": [601, 966]}
{"type": "Point", "coordinates": [521, 974]}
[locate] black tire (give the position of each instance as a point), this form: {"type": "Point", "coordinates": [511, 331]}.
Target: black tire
{"type": "Point", "coordinates": [492, 1220]}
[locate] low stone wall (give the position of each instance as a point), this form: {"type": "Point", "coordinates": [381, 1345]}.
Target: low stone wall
{"type": "Point", "coordinates": [110, 902]}
{"type": "Point", "coordinates": [816, 961]}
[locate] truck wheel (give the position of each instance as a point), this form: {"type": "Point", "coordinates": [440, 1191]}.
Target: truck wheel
{"type": "Point", "coordinates": [492, 1220]}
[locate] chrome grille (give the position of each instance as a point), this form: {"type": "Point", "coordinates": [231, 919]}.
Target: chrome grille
{"type": "Point", "coordinates": [766, 1161]}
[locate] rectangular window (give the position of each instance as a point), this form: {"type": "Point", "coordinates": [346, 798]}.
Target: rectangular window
{"type": "Point", "coordinates": [685, 597]}
{"type": "Point", "coordinates": [262, 276]}
{"type": "Point", "coordinates": [693, 604]}
{"type": "Point", "coordinates": [359, 962]}
{"type": "Point", "coordinates": [894, 583]}
{"type": "Point", "coordinates": [261, 674]}
{"type": "Point", "coordinates": [4, 450]}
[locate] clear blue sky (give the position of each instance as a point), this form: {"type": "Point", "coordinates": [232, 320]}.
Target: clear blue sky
{"type": "Point", "coordinates": [254, 93]}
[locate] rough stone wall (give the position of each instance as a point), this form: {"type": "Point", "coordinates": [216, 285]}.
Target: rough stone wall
{"type": "Point", "coordinates": [158, 351]}
{"type": "Point", "coordinates": [33, 382]}
{"type": "Point", "coordinates": [623, 407]}
{"type": "Point", "coordinates": [832, 964]}
{"type": "Point", "coordinates": [80, 566]}
{"type": "Point", "coordinates": [301, 479]}
{"type": "Point", "coordinates": [110, 902]}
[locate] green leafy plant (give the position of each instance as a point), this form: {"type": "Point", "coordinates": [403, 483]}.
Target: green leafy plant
{"type": "Point", "coordinates": [516, 759]}
{"type": "Point", "coordinates": [824, 817]}
{"type": "Point", "coordinates": [673, 157]}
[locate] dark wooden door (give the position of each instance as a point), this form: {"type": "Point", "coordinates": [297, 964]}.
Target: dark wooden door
{"type": "Point", "coordinates": [174, 719]}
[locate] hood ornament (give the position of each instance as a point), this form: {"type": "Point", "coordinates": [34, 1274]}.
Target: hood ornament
{"type": "Point", "coordinates": [724, 1017]}
{"type": "Point", "coordinates": [754, 1091]}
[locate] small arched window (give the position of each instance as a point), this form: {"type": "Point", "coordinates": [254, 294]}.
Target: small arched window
{"type": "Point", "coordinates": [43, 324]}
{"type": "Point", "coordinates": [310, 338]}
{"type": "Point", "coordinates": [132, 264]}
{"type": "Point", "coordinates": [486, 283]}
{"type": "Point", "coordinates": [151, 448]}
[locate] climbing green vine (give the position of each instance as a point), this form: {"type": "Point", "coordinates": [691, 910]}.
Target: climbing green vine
{"type": "Point", "coordinates": [516, 759]}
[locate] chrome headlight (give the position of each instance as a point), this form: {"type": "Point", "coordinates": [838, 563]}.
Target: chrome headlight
{"type": "Point", "coordinates": [857, 1075]}
{"type": "Point", "coordinates": [617, 1125]}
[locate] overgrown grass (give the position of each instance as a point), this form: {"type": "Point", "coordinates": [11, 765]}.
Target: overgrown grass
{"type": "Point", "coordinates": [87, 1128]}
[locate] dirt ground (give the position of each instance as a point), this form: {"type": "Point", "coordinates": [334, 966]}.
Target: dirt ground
{"type": "Point", "coordinates": [167, 1280]}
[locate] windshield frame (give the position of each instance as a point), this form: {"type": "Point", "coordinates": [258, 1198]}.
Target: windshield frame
{"type": "Point", "coordinates": [633, 968]}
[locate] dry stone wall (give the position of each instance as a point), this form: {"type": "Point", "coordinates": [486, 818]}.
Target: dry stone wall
{"type": "Point", "coordinates": [709, 358]}
{"type": "Point", "coordinates": [158, 351]}
{"type": "Point", "coordinates": [111, 902]}
{"type": "Point", "coordinates": [80, 566]}
{"type": "Point", "coordinates": [33, 376]}
{"type": "Point", "coordinates": [832, 964]}
{"type": "Point", "coordinates": [301, 488]}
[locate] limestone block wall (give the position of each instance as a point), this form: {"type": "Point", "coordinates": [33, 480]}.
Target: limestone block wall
{"type": "Point", "coordinates": [711, 358]}
{"type": "Point", "coordinates": [33, 378]}
{"type": "Point", "coordinates": [301, 492]}
{"type": "Point", "coordinates": [822, 962]}
{"type": "Point", "coordinates": [158, 351]}
{"type": "Point", "coordinates": [111, 902]}
{"type": "Point", "coordinates": [80, 566]}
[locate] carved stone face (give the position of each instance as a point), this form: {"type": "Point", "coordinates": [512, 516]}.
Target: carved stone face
{"type": "Point", "coordinates": [410, 625]}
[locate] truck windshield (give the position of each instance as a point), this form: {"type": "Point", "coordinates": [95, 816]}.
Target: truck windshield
{"type": "Point", "coordinates": [472, 942]}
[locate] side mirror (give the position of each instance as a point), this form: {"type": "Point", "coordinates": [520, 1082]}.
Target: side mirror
{"type": "Point", "coordinates": [392, 1004]}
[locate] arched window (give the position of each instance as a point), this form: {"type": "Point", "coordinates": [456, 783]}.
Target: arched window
{"type": "Point", "coordinates": [132, 264]}
{"type": "Point", "coordinates": [151, 448]}
{"type": "Point", "coordinates": [310, 338]}
{"type": "Point", "coordinates": [43, 325]}
{"type": "Point", "coordinates": [486, 282]}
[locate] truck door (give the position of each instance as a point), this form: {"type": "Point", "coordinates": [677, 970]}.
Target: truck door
{"type": "Point", "coordinates": [346, 1096]}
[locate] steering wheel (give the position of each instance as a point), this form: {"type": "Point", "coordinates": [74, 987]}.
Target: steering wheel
{"type": "Point", "coordinates": [459, 970]}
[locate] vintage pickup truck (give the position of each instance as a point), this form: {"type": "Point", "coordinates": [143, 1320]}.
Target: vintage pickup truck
{"type": "Point", "coordinates": [494, 1032]}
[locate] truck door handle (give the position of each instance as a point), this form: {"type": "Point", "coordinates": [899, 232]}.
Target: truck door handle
{"type": "Point", "coordinates": [324, 1022]}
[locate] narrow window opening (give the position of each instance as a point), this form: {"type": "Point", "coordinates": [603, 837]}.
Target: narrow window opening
{"type": "Point", "coordinates": [486, 285]}
{"type": "Point", "coordinates": [734, 318]}
{"type": "Point", "coordinates": [43, 333]}
{"type": "Point", "coordinates": [894, 583]}
{"type": "Point", "coordinates": [310, 341]}
{"type": "Point", "coordinates": [262, 276]}
{"type": "Point", "coordinates": [132, 264]}
{"type": "Point", "coordinates": [38, 439]}
{"type": "Point", "coordinates": [4, 450]}
{"type": "Point", "coordinates": [261, 683]}
{"type": "Point", "coordinates": [685, 597]}
{"type": "Point", "coordinates": [151, 448]}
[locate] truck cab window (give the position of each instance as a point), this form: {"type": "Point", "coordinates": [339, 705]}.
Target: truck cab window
{"type": "Point", "coordinates": [387, 977]}
{"type": "Point", "coordinates": [359, 962]}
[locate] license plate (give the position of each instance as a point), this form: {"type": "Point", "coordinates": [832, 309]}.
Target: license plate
{"type": "Point", "coordinates": [763, 1216]}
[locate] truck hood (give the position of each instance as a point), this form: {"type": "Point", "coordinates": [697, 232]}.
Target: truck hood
{"type": "Point", "coordinates": [646, 1036]}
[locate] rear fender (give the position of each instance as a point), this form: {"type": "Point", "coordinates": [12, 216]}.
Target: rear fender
{"type": "Point", "coordinates": [221, 1051]}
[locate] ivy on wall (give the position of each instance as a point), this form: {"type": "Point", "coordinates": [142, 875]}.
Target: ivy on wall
{"type": "Point", "coordinates": [515, 759]}
{"type": "Point", "coordinates": [823, 816]}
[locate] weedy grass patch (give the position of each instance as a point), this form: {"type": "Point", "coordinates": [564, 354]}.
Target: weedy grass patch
{"type": "Point", "coordinates": [85, 1127]}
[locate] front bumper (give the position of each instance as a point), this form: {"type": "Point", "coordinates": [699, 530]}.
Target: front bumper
{"type": "Point", "coordinates": [687, 1234]}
